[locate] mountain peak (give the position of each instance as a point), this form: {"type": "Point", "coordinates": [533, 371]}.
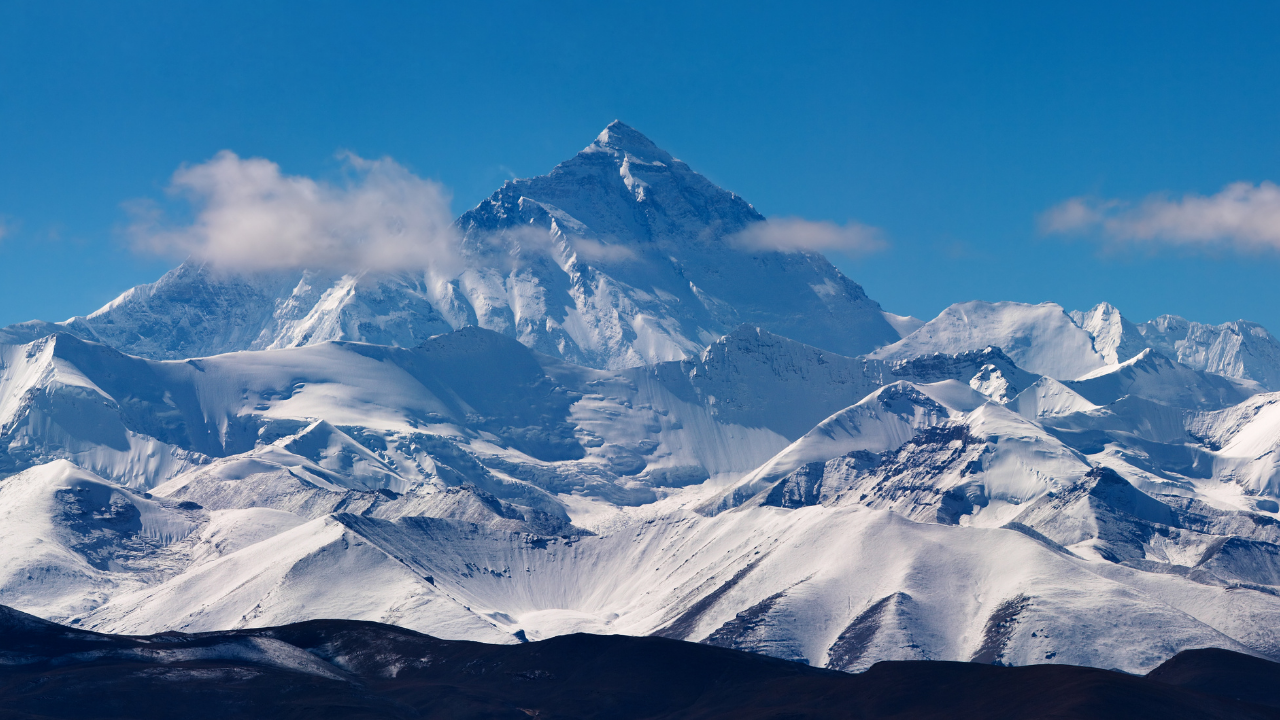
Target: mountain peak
{"type": "Point", "coordinates": [1114, 337]}
{"type": "Point", "coordinates": [619, 137]}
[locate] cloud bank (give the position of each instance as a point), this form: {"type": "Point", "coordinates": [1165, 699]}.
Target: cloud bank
{"type": "Point", "coordinates": [791, 234]}
{"type": "Point", "coordinates": [249, 216]}
{"type": "Point", "coordinates": [1241, 215]}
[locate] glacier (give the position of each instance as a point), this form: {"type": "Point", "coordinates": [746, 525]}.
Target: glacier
{"type": "Point", "coordinates": [614, 419]}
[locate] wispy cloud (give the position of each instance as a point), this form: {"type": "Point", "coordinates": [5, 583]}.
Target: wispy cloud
{"type": "Point", "coordinates": [594, 250]}
{"type": "Point", "coordinates": [1241, 215]}
{"type": "Point", "coordinates": [791, 234]}
{"type": "Point", "coordinates": [250, 216]}
{"type": "Point", "coordinates": [509, 247]}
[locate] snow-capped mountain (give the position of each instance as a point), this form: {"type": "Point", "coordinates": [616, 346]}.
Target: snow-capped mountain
{"type": "Point", "coordinates": [1238, 349]}
{"type": "Point", "coordinates": [616, 420]}
{"type": "Point", "coordinates": [642, 253]}
{"type": "Point", "coordinates": [1114, 337]}
{"type": "Point", "coordinates": [1040, 338]}
{"type": "Point", "coordinates": [1067, 346]}
{"type": "Point", "coordinates": [487, 490]}
{"type": "Point", "coordinates": [621, 256]}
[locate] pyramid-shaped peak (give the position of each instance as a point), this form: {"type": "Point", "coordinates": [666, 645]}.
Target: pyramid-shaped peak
{"type": "Point", "coordinates": [1103, 313]}
{"type": "Point", "coordinates": [619, 137]}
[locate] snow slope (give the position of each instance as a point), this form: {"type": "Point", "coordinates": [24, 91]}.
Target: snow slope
{"type": "Point", "coordinates": [940, 506]}
{"type": "Point", "coordinates": [1114, 337]}
{"type": "Point", "coordinates": [808, 584]}
{"type": "Point", "coordinates": [1238, 349]}
{"type": "Point", "coordinates": [1039, 338]}
{"type": "Point", "coordinates": [70, 539]}
{"type": "Point", "coordinates": [1246, 440]}
{"type": "Point", "coordinates": [1152, 376]}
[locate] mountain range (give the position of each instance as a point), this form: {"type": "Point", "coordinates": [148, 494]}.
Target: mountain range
{"type": "Point", "coordinates": [616, 418]}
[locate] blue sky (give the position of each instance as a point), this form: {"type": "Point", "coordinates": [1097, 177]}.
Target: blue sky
{"type": "Point", "coordinates": [950, 127]}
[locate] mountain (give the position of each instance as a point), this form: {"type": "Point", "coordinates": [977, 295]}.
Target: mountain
{"type": "Point", "coordinates": [1068, 346]}
{"type": "Point", "coordinates": [621, 256]}
{"type": "Point", "coordinates": [883, 421]}
{"type": "Point", "coordinates": [1114, 337]}
{"type": "Point", "coordinates": [1239, 349]}
{"type": "Point", "coordinates": [342, 668]}
{"type": "Point", "coordinates": [617, 419]}
{"type": "Point", "coordinates": [1040, 338]}
{"type": "Point", "coordinates": [666, 277]}
{"type": "Point", "coordinates": [767, 496]}
{"type": "Point", "coordinates": [1246, 442]}
{"type": "Point", "coordinates": [1153, 376]}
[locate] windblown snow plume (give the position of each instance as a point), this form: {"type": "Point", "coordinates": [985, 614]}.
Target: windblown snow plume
{"type": "Point", "coordinates": [1242, 215]}
{"type": "Point", "coordinates": [791, 234]}
{"type": "Point", "coordinates": [250, 216]}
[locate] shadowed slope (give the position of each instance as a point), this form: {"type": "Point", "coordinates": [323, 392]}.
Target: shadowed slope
{"type": "Point", "coordinates": [349, 669]}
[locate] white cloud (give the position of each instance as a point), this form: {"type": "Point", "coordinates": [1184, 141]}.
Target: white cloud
{"type": "Point", "coordinates": [250, 216]}
{"type": "Point", "coordinates": [594, 250]}
{"type": "Point", "coordinates": [798, 235]}
{"type": "Point", "coordinates": [1074, 215]}
{"type": "Point", "coordinates": [506, 248]}
{"type": "Point", "coordinates": [8, 226]}
{"type": "Point", "coordinates": [1242, 215]}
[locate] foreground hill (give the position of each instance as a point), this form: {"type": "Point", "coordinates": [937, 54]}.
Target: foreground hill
{"type": "Point", "coordinates": [346, 669]}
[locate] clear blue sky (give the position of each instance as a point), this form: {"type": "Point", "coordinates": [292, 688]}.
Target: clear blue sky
{"type": "Point", "coordinates": [950, 126]}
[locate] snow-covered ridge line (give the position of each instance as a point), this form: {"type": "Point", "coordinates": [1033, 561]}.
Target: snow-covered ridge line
{"type": "Point", "coordinates": [1068, 346]}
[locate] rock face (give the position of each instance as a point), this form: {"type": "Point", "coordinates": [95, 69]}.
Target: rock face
{"type": "Point", "coordinates": [618, 257]}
